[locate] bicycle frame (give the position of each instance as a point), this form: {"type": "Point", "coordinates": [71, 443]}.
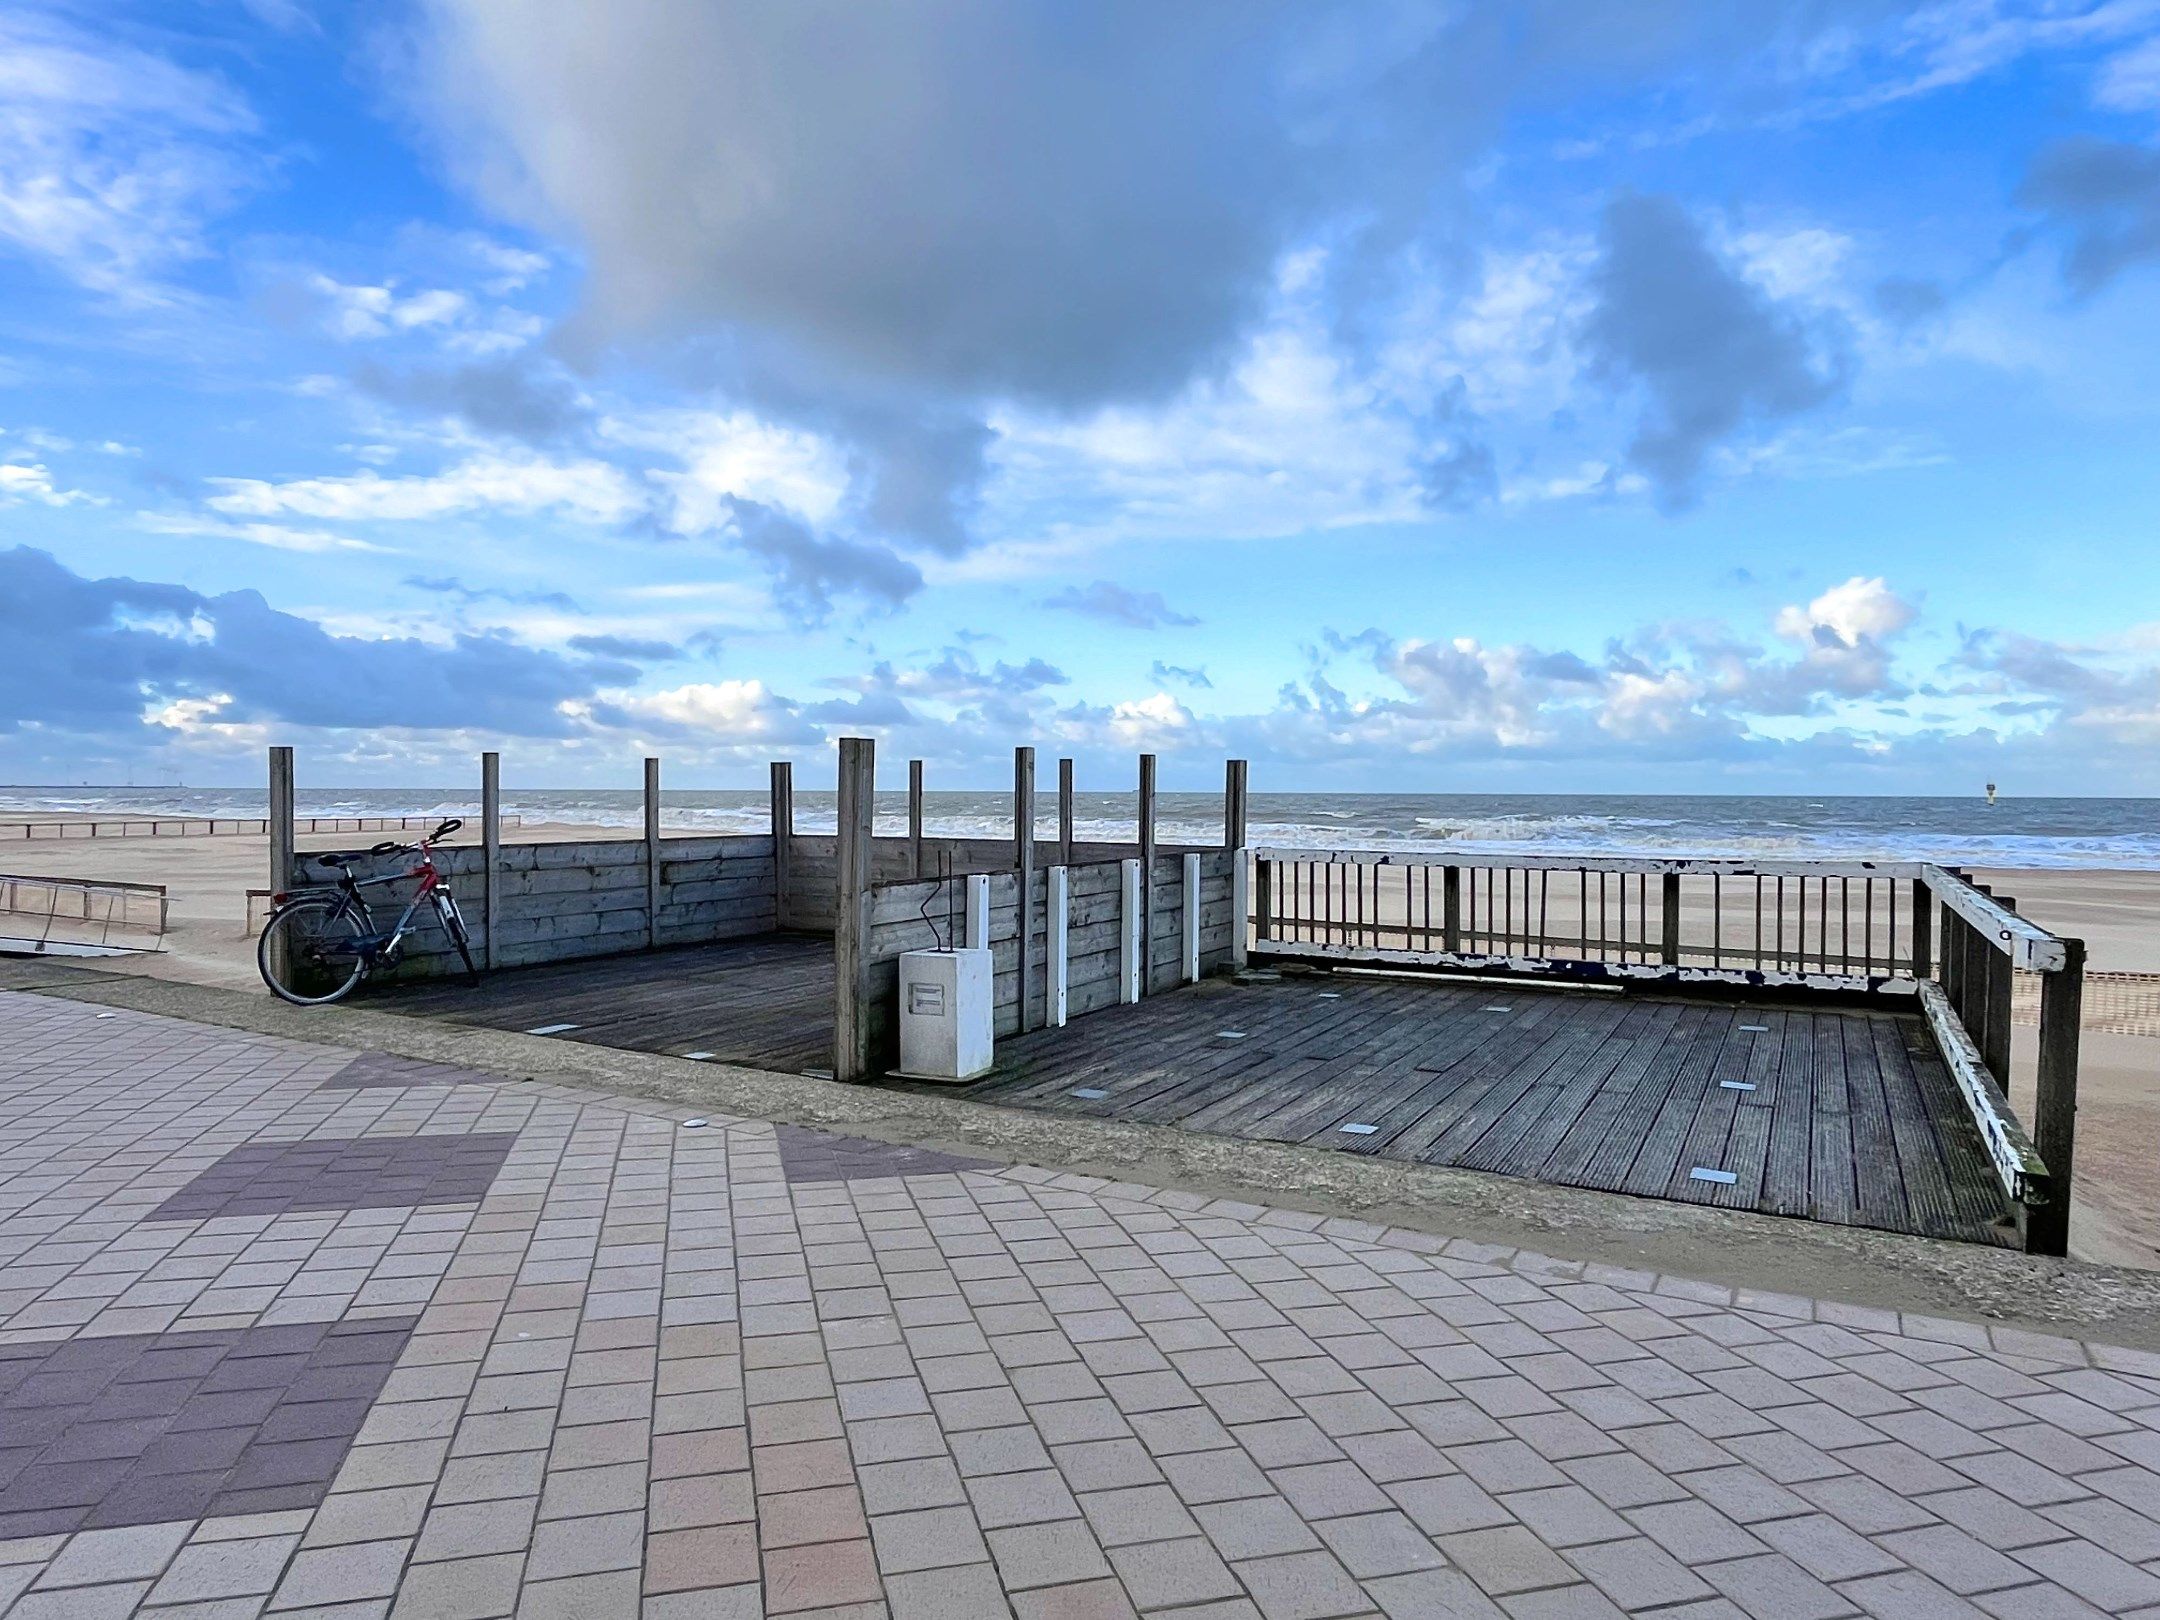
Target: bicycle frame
{"type": "Point", "coordinates": [432, 888]}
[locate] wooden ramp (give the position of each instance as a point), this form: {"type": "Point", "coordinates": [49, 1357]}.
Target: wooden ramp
{"type": "Point", "coordinates": [1841, 1115]}
{"type": "Point", "coordinates": [766, 1001]}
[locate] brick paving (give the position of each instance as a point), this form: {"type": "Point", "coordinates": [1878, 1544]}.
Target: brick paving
{"type": "Point", "coordinates": [605, 1361]}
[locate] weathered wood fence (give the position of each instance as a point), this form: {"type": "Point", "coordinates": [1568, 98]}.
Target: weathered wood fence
{"type": "Point", "coordinates": [1870, 928]}
{"type": "Point", "coordinates": [1074, 926]}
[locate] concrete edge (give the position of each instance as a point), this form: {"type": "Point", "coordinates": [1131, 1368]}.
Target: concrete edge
{"type": "Point", "coordinates": [1749, 1253]}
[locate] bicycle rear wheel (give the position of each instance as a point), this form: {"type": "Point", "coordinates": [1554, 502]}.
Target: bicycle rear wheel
{"type": "Point", "coordinates": [310, 952]}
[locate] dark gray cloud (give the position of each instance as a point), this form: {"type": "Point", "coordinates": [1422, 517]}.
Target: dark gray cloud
{"type": "Point", "coordinates": [1909, 300]}
{"type": "Point", "coordinates": [516, 396]}
{"type": "Point", "coordinates": [1458, 471]}
{"type": "Point", "coordinates": [1710, 351]}
{"type": "Point", "coordinates": [810, 574]}
{"type": "Point", "coordinates": [1195, 675]}
{"type": "Point", "coordinates": [458, 591]}
{"type": "Point", "coordinates": [1117, 604]}
{"type": "Point", "coordinates": [626, 647]}
{"type": "Point", "coordinates": [2104, 198]}
{"type": "Point", "coordinates": [888, 220]}
{"type": "Point", "coordinates": [110, 650]}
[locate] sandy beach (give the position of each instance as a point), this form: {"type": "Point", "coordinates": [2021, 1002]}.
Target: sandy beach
{"type": "Point", "coordinates": [2117, 913]}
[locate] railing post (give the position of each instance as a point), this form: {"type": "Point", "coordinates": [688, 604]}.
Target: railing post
{"type": "Point", "coordinates": [1024, 865]}
{"type": "Point", "coordinates": [1065, 812]}
{"type": "Point", "coordinates": [1263, 879]}
{"type": "Point", "coordinates": [1147, 870]}
{"type": "Point", "coordinates": [783, 837]}
{"type": "Point", "coordinates": [1923, 933]}
{"type": "Point", "coordinates": [652, 853]}
{"type": "Point", "coordinates": [490, 850]}
{"type": "Point", "coordinates": [1451, 909]}
{"type": "Point", "coordinates": [1994, 1031]}
{"type": "Point", "coordinates": [1235, 775]}
{"type": "Point", "coordinates": [851, 1012]}
{"type": "Point", "coordinates": [1669, 919]}
{"type": "Point", "coordinates": [2062, 1011]}
{"type": "Point", "coordinates": [915, 817]}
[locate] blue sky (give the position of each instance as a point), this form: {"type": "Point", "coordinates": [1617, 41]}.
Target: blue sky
{"type": "Point", "coordinates": [1543, 397]}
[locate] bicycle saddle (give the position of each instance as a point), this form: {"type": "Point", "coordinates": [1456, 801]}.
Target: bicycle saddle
{"type": "Point", "coordinates": [331, 860]}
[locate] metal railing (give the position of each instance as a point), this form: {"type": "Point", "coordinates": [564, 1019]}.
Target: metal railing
{"type": "Point", "coordinates": [85, 912]}
{"type": "Point", "coordinates": [1905, 928]}
{"type": "Point", "coordinates": [210, 826]}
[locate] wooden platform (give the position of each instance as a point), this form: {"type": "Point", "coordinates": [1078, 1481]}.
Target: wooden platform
{"type": "Point", "coordinates": [766, 1001]}
{"type": "Point", "coordinates": [1851, 1116]}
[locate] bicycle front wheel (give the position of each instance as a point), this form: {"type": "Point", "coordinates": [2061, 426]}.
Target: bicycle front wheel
{"type": "Point", "coordinates": [309, 952]}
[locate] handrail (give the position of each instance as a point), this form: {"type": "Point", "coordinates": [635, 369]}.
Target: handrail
{"type": "Point", "coordinates": [1653, 865]}
{"type": "Point", "coordinates": [1920, 929]}
{"type": "Point", "coordinates": [2026, 943]}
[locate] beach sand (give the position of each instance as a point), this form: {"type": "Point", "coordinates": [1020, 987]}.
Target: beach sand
{"type": "Point", "coordinates": [2117, 913]}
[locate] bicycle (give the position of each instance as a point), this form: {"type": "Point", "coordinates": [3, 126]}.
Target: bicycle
{"type": "Point", "coordinates": [319, 943]}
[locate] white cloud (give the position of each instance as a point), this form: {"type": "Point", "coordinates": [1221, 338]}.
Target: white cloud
{"type": "Point", "coordinates": [112, 158]}
{"type": "Point", "coordinates": [733, 454]}
{"type": "Point", "coordinates": [1856, 611]}
{"type": "Point", "coordinates": [30, 481]}
{"type": "Point", "coordinates": [2130, 81]}
{"type": "Point", "coordinates": [356, 312]}
{"type": "Point", "coordinates": [584, 491]}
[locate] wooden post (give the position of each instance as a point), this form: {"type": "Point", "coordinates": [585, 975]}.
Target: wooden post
{"type": "Point", "coordinates": [281, 820]}
{"type": "Point", "coordinates": [1994, 1031]}
{"type": "Point", "coordinates": [1923, 931]}
{"type": "Point", "coordinates": [915, 816]}
{"type": "Point", "coordinates": [1146, 818]}
{"type": "Point", "coordinates": [2062, 1011]}
{"type": "Point", "coordinates": [1065, 812]}
{"type": "Point", "coordinates": [1024, 865]}
{"type": "Point", "coordinates": [1233, 798]}
{"type": "Point", "coordinates": [783, 837]}
{"type": "Point", "coordinates": [652, 853]}
{"type": "Point", "coordinates": [1451, 908]}
{"type": "Point", "coordinates": [976, 932]}
{"type": "Point", "coordinates": [1240, 911]}
{"type": "Point", "coordinates": [1264, 901]}
{"type": "Point", "coordinates": [1668, 918]}
{"type": "Point", "coordinates": [851, 1014]}
{"type": "Point", "coordinates": [280, 828]}
{"type": "Point", "coordinates": [1057, 919]}
{"type": "Point", "coordinates": [490, 850]}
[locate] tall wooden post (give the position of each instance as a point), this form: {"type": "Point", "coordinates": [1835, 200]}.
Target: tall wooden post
{"type": "Point", "coordinates": [915, 816]}
{"type": "Point", "coordinates": [1065, 812]}
{"type": "Point", "coordinates": [851, 1011]}
{"type": "Point", "coordinates": [783, 838]}
{"type": "Point", "coordinates": [1233, 802]}
{"type": "Point", "coordinates": [2062, 1011]}
{"type": "Point", "coordinates": [652, 853]}
{"type": "Point", "coordinates": [281, 820]}
{"type": "Point", "coordinates": [1024, 865]}
{"type": "Point", "coordinates": [1146, 816]}
{"type": "Point", "coordinates": [490, 850]}
{"type": "Point", "coordinates": [1994, 1031]}
{"type": "Point", "coordinates": [1923, 930]}
{"type": "Point", "coordinates": [281, 831]}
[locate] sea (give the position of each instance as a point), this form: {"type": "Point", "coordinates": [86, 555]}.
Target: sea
{"type": "Point", "coordinates": [2013, 832]}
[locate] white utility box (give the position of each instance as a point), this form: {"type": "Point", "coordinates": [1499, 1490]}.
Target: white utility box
{"type": "Point", "coordinates": [945, 1010]}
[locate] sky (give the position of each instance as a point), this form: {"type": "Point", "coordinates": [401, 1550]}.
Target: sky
{"type": "Point", "coordinates": [1408, 396]}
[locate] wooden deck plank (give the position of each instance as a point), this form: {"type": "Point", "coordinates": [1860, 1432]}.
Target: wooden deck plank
{"type": "Point", "coordinates": [1852, 1119]}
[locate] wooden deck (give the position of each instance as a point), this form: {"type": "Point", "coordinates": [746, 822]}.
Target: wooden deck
{"type": "Point", "coordinates": [766, 1001]}
{"type": "Point", "coordinates": [1850, 1115]}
